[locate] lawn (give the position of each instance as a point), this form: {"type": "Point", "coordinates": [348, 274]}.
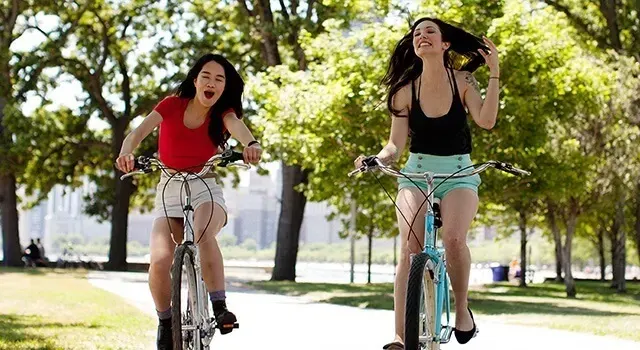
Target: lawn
{"type": "Point", "coordinates": [60, 309]}
{"type": "Point", "coordinates": [541, 305]}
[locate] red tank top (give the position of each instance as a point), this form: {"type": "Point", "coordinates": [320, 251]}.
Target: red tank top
{"type": "Point", "coordinates": [180, 147]}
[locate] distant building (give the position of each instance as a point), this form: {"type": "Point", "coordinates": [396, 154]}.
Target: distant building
{"type": "Point", "coordinates": [254, 209]}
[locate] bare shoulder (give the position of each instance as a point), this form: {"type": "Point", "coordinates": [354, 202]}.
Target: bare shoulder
{"type": "Point", "coordinates": [466, 80]}
{"type": "Point", "coordinates": [402, 99]}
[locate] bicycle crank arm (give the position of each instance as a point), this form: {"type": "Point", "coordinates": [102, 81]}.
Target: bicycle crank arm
{"type": "Point", "coordinates": [445, 336]}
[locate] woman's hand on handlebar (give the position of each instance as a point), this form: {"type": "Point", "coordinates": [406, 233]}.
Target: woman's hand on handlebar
{"type": "Point", "coordinates": [126, 162]}
{"type": "Point", "coordinates": [361, 160]}
{"type": "Point", "coordinates": [252, 154]}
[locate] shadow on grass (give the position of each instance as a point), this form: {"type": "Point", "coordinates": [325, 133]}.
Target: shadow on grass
{"type": "Point", "coordinates": [492, 299]}
{"type": "Point", "coordinates": [17, 329]}
{"type": "Point", "coordinates": [42, 271]}
{"type": "Point", "coordinates": [384, 301]}
{"type": "Point", "coordinates": [380, 301]}
{"type": "Point", "coordinates": [586, 290]}
{"type": "Point", "coordinates": [25, 270]}
{"type": "Point", "coordinates": [502, 307]}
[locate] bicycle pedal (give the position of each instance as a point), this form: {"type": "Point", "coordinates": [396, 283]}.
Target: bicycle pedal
{"type": "Point", "coordinates": [229, 325]}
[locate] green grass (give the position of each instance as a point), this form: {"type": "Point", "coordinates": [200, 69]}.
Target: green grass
{"type": "Point", "coordinates": [55, 309]}
{"type": "Point", "coordinates": [597, 308]}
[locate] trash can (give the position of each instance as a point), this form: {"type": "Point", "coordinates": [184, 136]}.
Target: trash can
{"type": "Point", "coordinates": [500, 273]}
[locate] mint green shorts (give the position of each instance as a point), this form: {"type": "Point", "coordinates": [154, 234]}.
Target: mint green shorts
{"type": "Point", "coordinates": [418, 162]}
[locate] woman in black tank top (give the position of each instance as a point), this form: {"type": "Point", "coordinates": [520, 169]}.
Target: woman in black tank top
{"type": "Point", "coordinates": [431, 88]}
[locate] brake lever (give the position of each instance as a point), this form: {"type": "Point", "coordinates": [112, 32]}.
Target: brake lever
{"type": "Point", "coordinates": [239, 165]}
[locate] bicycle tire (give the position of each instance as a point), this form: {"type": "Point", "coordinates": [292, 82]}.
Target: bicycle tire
{"type": "Point", "coordinates": [420, 303]}
{"type": "Point", "coordinates": [183, 258]}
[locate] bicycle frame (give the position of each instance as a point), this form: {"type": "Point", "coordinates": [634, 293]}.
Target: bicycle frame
{"type": "Point", "coordinates": [438, 268]}
{"type": "Point", "coordinates": [436, 262]}
{"type": "Point", "coordinates": [200, 311]}
{"type": "Point", "coordinates": [198, 299]}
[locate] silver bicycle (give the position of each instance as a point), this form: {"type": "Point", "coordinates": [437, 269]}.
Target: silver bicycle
{"type": "Point", "coordinates": [428, 283]}
{"type": "Point", "coordinates": [192, 326]}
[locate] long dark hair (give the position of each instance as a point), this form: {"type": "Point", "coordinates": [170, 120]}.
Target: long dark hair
{"type": "Point", "coordinates": [405, 66]}
{"type": "Point", "coordinates": [231, 96]}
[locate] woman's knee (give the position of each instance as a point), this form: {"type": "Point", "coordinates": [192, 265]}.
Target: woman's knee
{"type": "Point", "coordinates": [161, 260]}
{"type": "Point", "coordinates": [408, 249]}
{"type": "Point", "coordinates": [454, 240]}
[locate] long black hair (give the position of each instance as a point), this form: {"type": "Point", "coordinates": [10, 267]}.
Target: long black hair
{"type": "Point", "coordinates": [231, 96]}
{"type": "Point", "coordinates": [405, 66]}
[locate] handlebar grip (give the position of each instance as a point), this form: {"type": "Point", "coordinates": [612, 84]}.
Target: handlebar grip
{"type": "Point", "coordinates": [506, 167]}
{"type": "Point", "coordinates": [233, 157]}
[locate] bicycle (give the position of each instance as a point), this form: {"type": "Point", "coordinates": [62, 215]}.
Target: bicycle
{"type": "Point", "coordinates": [428, 284]}
{"type": "Point", "coordinates": [194, 328]}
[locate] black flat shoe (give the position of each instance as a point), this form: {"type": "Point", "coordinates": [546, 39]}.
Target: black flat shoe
{"type": "Point", "coordinates": [463, 337]}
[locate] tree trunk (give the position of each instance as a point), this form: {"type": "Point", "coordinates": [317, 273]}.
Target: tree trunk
{"type": "Point", "coordinates": [571, 224]}
{"type": "Point", "coordinates": [618, 247]}
{"type": "Point", "coordinates": [266, 25]}
{"type": "Point", "coordinates": [637, 225]}
{"type": "Point", "coordinates": [291, 215]}
{"type": "Point", "coordinates": [120, 209]}
{"type": "Point", "coordinates": [522, 223]}
{"type": "Point", "coordinates": [11, 248]}
{"type": "Point", "coordinates": [370, 237]}
{"type": "Point", "coordinates": [10, 233]}
{"type": "Point", "coordinates": [603, 262]}
{"type": "Point", "coordinates": [293, 202]}
{"type": "Point", "coordinates": [557, 238]}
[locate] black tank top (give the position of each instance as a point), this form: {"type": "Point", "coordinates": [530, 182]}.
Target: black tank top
{"type": "Point", "coordinates": [443, 136]}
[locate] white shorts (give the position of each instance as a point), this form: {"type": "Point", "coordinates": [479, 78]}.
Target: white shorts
{"type": "Point", "coordinates": [174, 196]}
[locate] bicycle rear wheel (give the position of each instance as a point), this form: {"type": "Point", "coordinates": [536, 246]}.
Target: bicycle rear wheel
{"type": "Point", "coordinates": [420, 312]}
{"type": "Point", "coordinates": [184, 319]}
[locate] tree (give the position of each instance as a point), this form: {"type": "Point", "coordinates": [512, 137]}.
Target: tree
{"type": "Point", "coordinates": [118, 85]}
{"type": "Point", "coordinates": [271, 36]}
{"type": "Point", "coordinates": [613, 25]}
{"type": "Point", "coordinates": [20, 72]}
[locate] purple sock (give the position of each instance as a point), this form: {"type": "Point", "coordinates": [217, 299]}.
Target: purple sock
{"type": "Point", "coordinates": [164, 315]}
{"type": "Point", "coordinates": [217, 295]}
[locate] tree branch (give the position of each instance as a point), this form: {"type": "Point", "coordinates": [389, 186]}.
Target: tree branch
{"type": "Point", "coordinates": [285, 13]}
{"type": "Point", "coordinates": [91, 84]}
{"type": "Point", "coordinates": [126, 87]}
{"type": "Point", "coordinates": [244, 6]}
{"type": "Point", "coordinates": [48, 35]}
{"type": "Point", "coordinates": [127, 23]}
{"type": "Point", "coordinates": [105, 44]}
{"type": "Point", "coordinates": [608, 10]}
{"type": "Point", "coordinates": [578, 22]}
{"type": "Point", "coordinates": [310, 4]}
{"type": "Point", "coordinates": [13, 16]}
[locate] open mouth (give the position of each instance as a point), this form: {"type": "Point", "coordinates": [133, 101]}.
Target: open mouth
{"type": "Point", "coordinates": [425, 44]}
{"type": "Point", "coordinates": [209, 94]}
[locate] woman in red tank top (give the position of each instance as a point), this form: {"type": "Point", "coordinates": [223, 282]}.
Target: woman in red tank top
{"type": "Point", "coordinates": [193, 124]}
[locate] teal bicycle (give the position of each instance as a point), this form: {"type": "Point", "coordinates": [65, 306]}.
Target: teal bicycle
{"type": "Point", "coordinates": [428, 285]}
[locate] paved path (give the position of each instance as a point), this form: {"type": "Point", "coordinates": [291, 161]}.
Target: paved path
{"type": "Point", "coordinates": [270, 321]}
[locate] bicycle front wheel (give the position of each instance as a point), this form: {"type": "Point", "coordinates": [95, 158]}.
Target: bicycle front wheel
{"type": "Point", "coordinates": [420, 313]}
{"type": "Point", "coordinates": [184, 318]}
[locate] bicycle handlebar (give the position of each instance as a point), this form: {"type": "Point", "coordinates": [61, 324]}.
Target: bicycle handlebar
{"type": "Point", "coordinates": [375, 163]}
{"type": "Point", "coordinates": [224, 159]}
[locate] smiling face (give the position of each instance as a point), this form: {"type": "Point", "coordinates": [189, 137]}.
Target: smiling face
{"type": "Point", "coordinates": [427, 39]}
{"type": "Point", "coordinates": [210, 83]}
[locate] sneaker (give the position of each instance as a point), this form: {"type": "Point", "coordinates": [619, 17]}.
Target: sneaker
{"type": "Point", "coordinates": [225, 319]}
{"type": "Point", "coordinates": [165, 338]}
